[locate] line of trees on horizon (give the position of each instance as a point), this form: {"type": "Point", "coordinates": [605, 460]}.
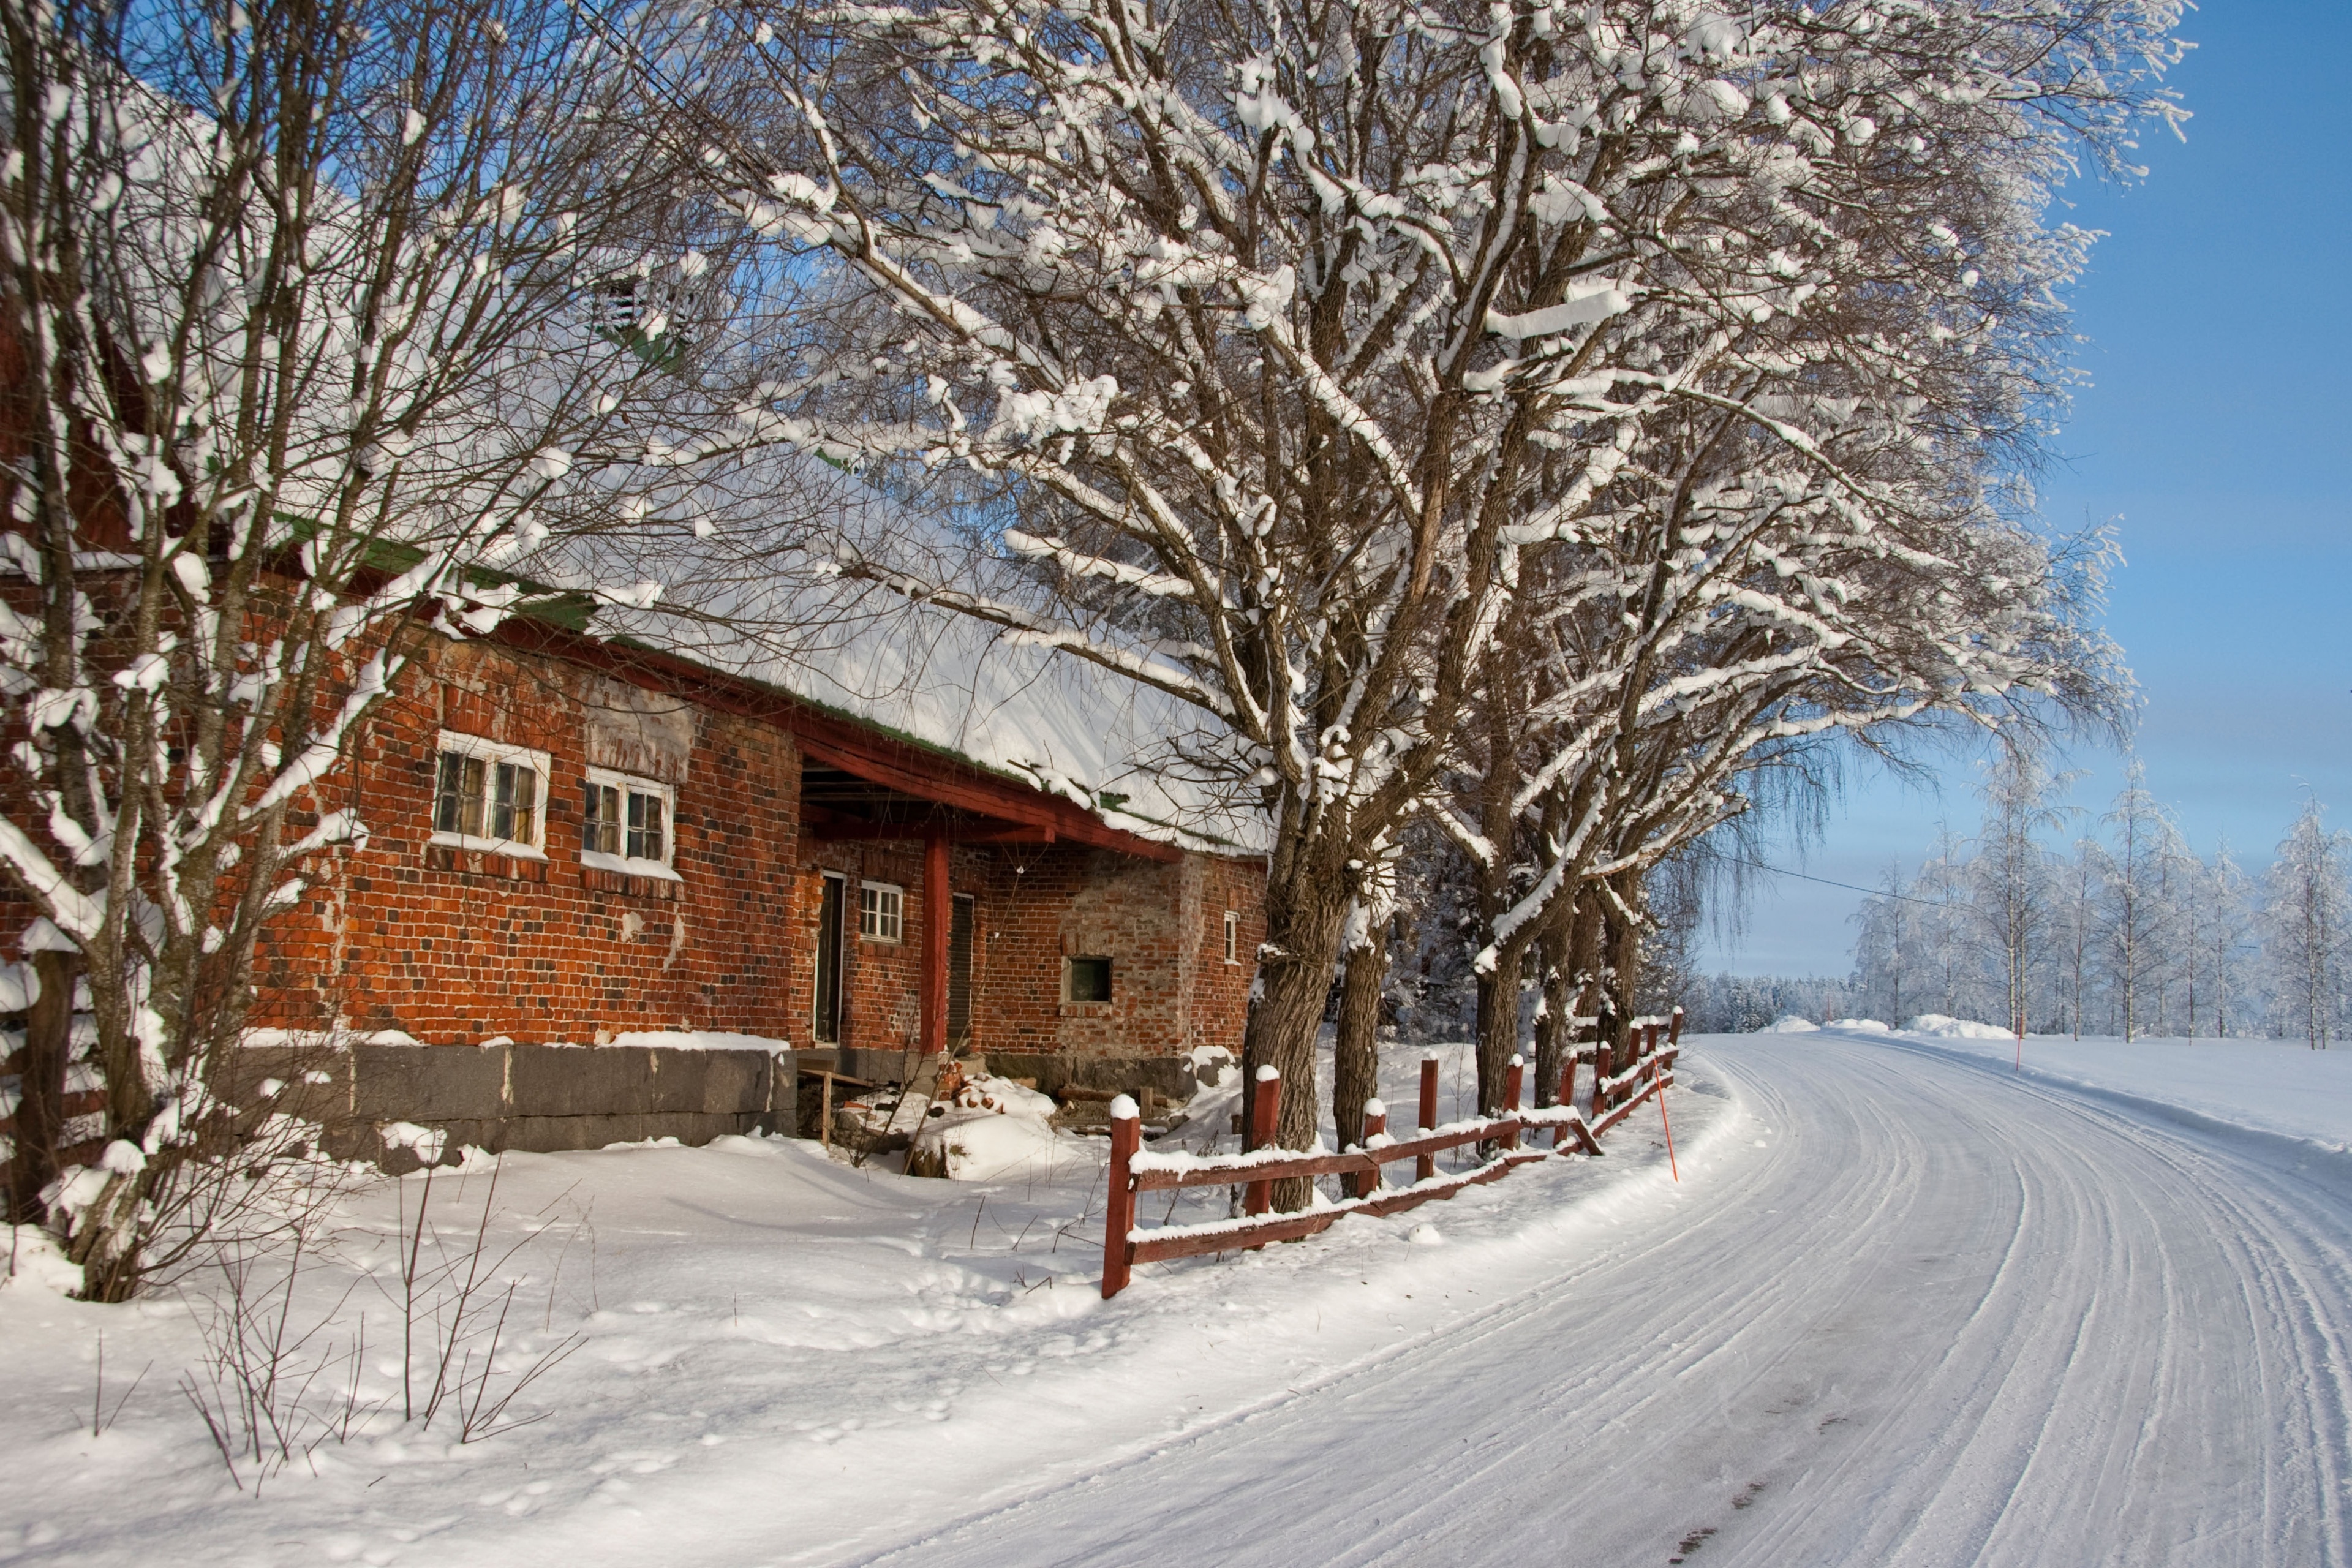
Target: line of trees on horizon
{"type": "Point", "coordinates": [2124, 930]}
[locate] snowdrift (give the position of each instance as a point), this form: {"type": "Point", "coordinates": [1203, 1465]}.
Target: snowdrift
{"type": "Point", "coordinates": [1942, 1027]}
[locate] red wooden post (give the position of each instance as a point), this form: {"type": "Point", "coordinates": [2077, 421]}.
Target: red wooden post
{"type": "Point", "coordinates": [1119, 1214]}
{"type": "Point", "coordinates": [1264, 1107]}
{"type": "Point", "coordinates": [1567, 1100]}
{"type": "Point", "coordinates": [1604, 1053]}
{"type": "Point", "coordinates": [1376, 1124]}
{"type": "Point", "coordinates": [1426, 1166]}
{"type": "Point", "coordinates": [938, 902]}
{"type": "Point", "coordinates": [1512, 1082]}
{"type": "Point", "coordinates": [1675, 1034]}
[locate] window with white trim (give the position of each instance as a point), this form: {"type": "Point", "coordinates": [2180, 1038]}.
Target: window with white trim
{"type": "Point", "coordinates": [881, 910]}
{"type": "Point", "coordinates": [490, 796]}
{"type": "Point", "coordinates": [1232, 936]}
{"type": "Point", "coordinates": [628, 824]}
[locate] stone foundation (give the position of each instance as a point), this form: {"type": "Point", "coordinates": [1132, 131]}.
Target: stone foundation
{"type": "Point", "coordinates": [540, 1099]}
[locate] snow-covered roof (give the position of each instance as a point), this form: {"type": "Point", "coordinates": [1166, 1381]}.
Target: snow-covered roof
{"type": "Point", "coordinates": [749, 588]}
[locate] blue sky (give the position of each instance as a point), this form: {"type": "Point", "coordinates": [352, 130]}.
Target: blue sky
{"type": "Point", "coordinates": [2217, 431]}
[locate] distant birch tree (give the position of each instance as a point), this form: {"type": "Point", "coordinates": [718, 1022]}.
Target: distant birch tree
{"type": "Point", "coordinates": [2012, 891]}
{"type": "Point", "coordinates": [2306, 913]}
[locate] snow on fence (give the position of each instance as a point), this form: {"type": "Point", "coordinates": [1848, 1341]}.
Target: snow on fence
{"type": "Point", "coordinates": [1616, 1091]}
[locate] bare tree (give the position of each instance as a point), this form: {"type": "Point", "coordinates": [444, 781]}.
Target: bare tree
{"type": "Point", "coordinates": [2305, 917]}
{"type": "Point", "coordinates": [2228, 930]}
{"type": "Point", "coordinates": [2012, 892]}
{"type": "Point", "coordinates": [328, 324]}
{"type": "Point", "coordinates": [2136, 915]}
{"type": "Point", "coordinates": [1292, 330]}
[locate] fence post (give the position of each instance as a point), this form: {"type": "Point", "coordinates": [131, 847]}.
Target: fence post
{"type": "Point", "coordinates": [1426, 1166]}
{"type": "Point", "coordinates": [1675, 1034]}
{"type": "Point", "coordinates": [1513, 1081]}
{"type": "Point", "coordinates": [1119, 1214]}
{"type": "Point", "coordinates": [1264, 1104]}
{"type": "Point", "coordinates": [1604, 1056]}
{"type": "Point", "coordinates": [1376, 1123]}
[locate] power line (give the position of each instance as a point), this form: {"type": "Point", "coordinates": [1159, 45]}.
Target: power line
{"type": "Point", "coordinates": [1824, 881]}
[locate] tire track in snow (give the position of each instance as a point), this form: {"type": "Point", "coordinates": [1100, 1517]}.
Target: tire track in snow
{"type": "Point", "coordinates": [1948, 1317]}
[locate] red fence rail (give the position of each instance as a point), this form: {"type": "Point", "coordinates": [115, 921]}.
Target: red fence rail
{"type": "Point", "coordinates": [1616, 1091]}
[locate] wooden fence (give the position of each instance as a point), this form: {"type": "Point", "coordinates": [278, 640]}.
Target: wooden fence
{"type": "Point", "coordinates": [1616, 1090]}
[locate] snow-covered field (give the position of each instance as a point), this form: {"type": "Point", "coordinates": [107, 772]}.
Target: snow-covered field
{"type": "Point", "coordinates": [775, 1356]}
{"type": "Point", "coordinates": [1904, 1306]}
{"type": "Point", "coordinates": [2269, 1085]}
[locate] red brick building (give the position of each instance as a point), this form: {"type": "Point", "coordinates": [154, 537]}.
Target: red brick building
{"type": "Point", "coordinates": [579, 843]}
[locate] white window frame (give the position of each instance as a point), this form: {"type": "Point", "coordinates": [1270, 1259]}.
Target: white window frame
{"type": "Point", "coordinates": [627, 865]}
{"type": "Point", "coordinates": [490, 753]}
{"type": "Point", "coordinates": [896, 914]}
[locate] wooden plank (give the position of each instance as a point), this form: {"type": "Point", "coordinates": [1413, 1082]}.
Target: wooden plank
{"type": "Point", "coordinates": [1277, 1228]}
{"type": "Point", "coordinates": [1223, 1175]}
{"type": "Point", "coordinates": [1623, 1111]}
{"type": "Point", "coordinates": [1147, 1248]}
{"type": "Point", "coordinates": [1272, 1171]}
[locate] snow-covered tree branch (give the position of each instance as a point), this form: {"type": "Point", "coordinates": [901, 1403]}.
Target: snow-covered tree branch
{"type": "Point", "coordinates": [323, 324]}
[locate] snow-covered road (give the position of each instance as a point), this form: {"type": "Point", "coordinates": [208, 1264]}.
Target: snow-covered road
{"type": "Point", "coordinates": [1939, 1316]}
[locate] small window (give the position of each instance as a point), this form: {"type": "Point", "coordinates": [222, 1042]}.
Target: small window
{"type": "Point", "coordinates": [879, 912]}
{"type": "Point", "coordinates": [1232, 936]}
{"type": "Point", "coordinates": [627, 823]}
{"type": "Point", "coordinates": [488, 796]}
{"type": "Point", "coordinates": [1087, 979]}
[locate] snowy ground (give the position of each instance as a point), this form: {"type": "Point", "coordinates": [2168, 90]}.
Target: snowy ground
{"type": "Point", "coordinates": [1906, 1305]}
{"type": "Point", "coordinates": [2270, 1086]}
{"type": "Point", "coordinates": [779, 1357]}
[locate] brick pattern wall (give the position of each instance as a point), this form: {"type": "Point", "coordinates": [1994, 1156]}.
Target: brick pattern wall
{"type": "Point", "coordinates": [1161, 926]}
{"type": "Point", "coordinates": [881, 1001]}
{"type": "Point", "coordinates": [454, 946]}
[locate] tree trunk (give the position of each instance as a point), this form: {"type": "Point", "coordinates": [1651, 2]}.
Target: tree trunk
{"type": "Point", "coordinates": [1499, 1020]}
{"type": "Point", "coordinates": [1623, 977]}
{"type": "Point", "coordinates": [40, 1109]}
{"type": "Point", "coordinates": [1303, 925]}
{"type": "Point", "coordinates": [1555, 1024]}
{"type": "Point", "coordinates": [1356, 1060]}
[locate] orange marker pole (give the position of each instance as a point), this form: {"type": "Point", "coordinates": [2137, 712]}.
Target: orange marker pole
{"type": "Point", "coordinates": [1670, 1163]}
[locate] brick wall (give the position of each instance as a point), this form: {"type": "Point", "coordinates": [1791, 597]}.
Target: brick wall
{"type": "Point", "coordinates": [452, 946]}
{"type": "Point", "coordinates": [458, 946]}
{"type": "Point", "coordinates": [455, 947]}
{"type": "Point", "coordinates": [1161, 926]}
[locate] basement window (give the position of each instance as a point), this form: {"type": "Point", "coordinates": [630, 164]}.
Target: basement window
{"type": "Point", "coordinates": [488, 796]}
{"type": "Point", "coordinates": [1085, 979]}
{"type": "Point", "coordinates": [626, 827]}
{"type": "Point", "coordinates": [880, 911]}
